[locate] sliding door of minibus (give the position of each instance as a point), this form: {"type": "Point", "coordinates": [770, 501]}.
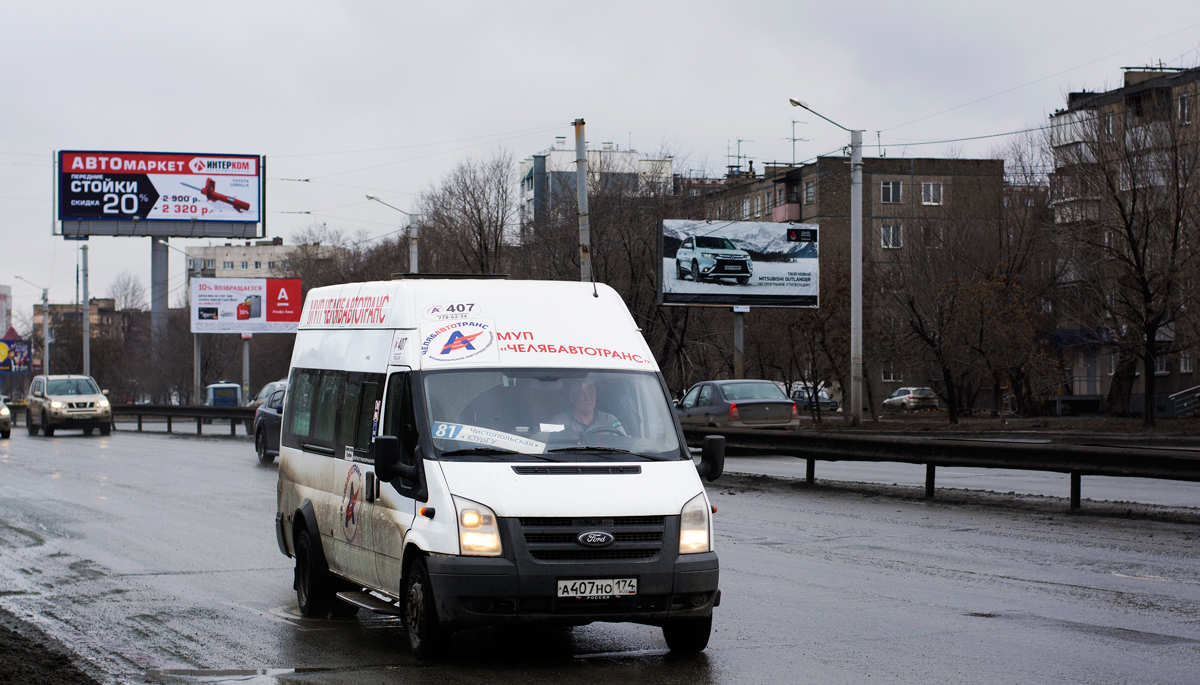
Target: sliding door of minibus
{"type": "Point", "coordinates": [396, 502]}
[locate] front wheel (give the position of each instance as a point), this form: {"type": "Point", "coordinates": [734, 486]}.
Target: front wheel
{"type": "Point", "coordinates": [260, 446]}
{"type": "Point", "coordinates": [743, 280]}
{"type": "Point", "coordinates": [47, 429]}
{"type": "Point", "coordinates": [688, 635]}
{"type": "Point", "coordinates": [696, 271]}
{"type": "Point", "coordinates": [314, 586]}
{"type": "Point", "coordinates": [679, 272]}
{"type": "Point", "coordinates": [88, 431]}
{"type": "Point", "coordinates": [426, 636]}
{"type": "Point", "coordinates": [5, 434]}
{"type": "Point", "coordinates": [106, 429]}
{"type": "Point", "coordinates": [29, 423]}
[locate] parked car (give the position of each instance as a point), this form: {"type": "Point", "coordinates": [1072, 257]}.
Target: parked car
{"type": "Point", "coordinates": [267, 422]}
{"type": "Point", "coordinates": [708, 257]}
{"type": "Point", "coordinates": [737, 404]}
{"type": "Point", "coordinates": [803, 397]}
{"type": "Point", "coordinates": [67, 401]}
{"type": "Point", "coordinates": [5, 420]}
{"type": "Point", "coordinates": [909, 399]}
{"type": "Point", "coordinates": [267, 390]}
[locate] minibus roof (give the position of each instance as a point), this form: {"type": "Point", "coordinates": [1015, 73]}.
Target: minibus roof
{"type": "Point", "coordinates": [477, 322]}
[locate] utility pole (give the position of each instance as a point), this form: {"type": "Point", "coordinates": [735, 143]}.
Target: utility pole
{"type": "Point", "coordinates": [87, 318]}
{"type": "Point", "coordinates": [585, 234]}
{"type": "Point", "coordinates": [856, 277]}
{"type": "Point", "coordinates": [413, 231]}
{"type": "Point", "coordinates": [246, 338]}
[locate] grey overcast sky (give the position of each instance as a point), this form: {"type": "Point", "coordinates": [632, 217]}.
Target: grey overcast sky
{"type": "Point", "coordinates": [385, 97]}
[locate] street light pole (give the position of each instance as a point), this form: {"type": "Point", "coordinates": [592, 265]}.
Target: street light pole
{"type": "Point", "coordinates": [413, 229]}
{"type": "Point", "coordinates": [585, 233]}
{"type": "Point", "coordinates": [856, 265]}
{"type": "Point", "coordinates": [45, 324]}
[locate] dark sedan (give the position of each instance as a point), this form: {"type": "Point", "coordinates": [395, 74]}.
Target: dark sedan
{"type": "Point", "coordinates": [737, 404]}
{"type": "Point", "coordinates": [267, 421]}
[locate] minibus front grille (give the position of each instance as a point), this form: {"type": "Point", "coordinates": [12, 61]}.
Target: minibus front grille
{"type": "Point", "coordinates": [576, 470]}
{"type": "Point", "coordinates": [556, 538]}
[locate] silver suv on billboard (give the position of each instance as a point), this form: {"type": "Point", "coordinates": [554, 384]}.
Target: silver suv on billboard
{"type": "Point", "coordinates": [711, 257]}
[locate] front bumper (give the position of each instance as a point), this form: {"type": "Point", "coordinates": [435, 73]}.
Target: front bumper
{"type": "Point", "coordinates": [517, 588]}
{"type": "Point", "coordinates": [57, 418]}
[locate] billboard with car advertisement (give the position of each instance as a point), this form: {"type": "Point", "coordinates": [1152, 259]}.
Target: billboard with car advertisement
{"type": "Point", "coordinates": [128, 193]}
{"type": "Point", "coordinates": [738, 263]}
{"type": "Point", "coordinates": [245, 305]}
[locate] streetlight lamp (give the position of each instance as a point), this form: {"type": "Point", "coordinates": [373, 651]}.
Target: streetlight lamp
{"type": "Point", "coordinates": [856, 250]}
{"type": "Point", "coordinates": [412, 233]}
{"type": "Point", "coordinates": [45, 324]}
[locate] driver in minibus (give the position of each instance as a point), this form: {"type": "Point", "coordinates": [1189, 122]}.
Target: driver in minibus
{"type": "Point", "coordinates": [583, 417]}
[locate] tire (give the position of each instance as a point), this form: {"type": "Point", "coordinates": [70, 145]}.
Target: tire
{"type": "Point", "coordinates": [426, 637]}
{"type": "Point", "coordinates": [696, 272]}
{"type": "Point", "coordinates": [688, 635]}
{"type": "Point", "coordinates": [5, 434]}
{"type": "Point", "coordinates": [89, 431]}
{"type": "Point", "coordinates": [903, 407]}
{"type": "Point", "coordinates": [260, 447]}
{"type": "Point", "coordinates": [47, 429]}
{"type": "Point", "coordinates": [743, 280]}
{"type": "Point", "coordinates": [32, 429]}
{"type": "Point", "coordinates": [314, 584]}
{"type": "Point", "coordinates": [106, 429]}
{"type": "Point", "coordinates": [680, 274]}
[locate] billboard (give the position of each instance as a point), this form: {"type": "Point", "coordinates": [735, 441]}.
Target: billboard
{"type": "Point", "coordinates": [245, 305]}
{"type": "Point", "coordinates": [14, 357]}
{"type": "Point", "coordinates": [138, 193]}
{"type": "Point", "coordinates": [732, 263]}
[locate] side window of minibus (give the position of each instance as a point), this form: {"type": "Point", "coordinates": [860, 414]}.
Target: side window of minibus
{"type": "Point", "coordinates": [400, 420]}
{"type": "Point", "coordinates": [325, 412]}
{"type": "Point", "coordinates": [358, 411]}
{"type": "Point", "coordinates": [298, 418]}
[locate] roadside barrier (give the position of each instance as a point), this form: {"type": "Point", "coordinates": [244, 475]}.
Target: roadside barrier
{"type": "Point", "coordinates": [991, 453]}
{"type": "Point", "coordinates": [179, 411]}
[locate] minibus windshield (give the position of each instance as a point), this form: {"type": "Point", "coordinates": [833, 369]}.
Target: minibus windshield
{"type": "Point", "coordinates": [549, 415]}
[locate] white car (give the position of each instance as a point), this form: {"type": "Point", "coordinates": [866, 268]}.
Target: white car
{"type": "Point", "coordinates": [705, 258]}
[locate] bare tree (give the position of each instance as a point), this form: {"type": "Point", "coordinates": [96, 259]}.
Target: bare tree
{"type": "Point", "coordinates": [128, 292]}
{"type": "Point", "coordinates": [468, 219]}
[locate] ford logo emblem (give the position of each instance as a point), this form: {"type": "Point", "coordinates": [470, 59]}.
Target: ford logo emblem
{"type": "Point", "coordinates": [595, 538]}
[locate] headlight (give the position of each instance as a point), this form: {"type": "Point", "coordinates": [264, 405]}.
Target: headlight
{"type": "Point", "coordinates": [478, 530]}
{"type": "Point", "coordinates": [710, 255]}
{"type": "Point", "coordinates": [55, 404]}
{"type": "Point", "coordinates": [4, 411]}
{"type": "Point", "coordinates": [694, 533]}
{"type": "Point", "coordinates": [103, 402]}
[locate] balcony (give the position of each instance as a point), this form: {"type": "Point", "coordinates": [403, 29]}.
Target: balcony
{"type": "Point", "coordinates": [788, 212]}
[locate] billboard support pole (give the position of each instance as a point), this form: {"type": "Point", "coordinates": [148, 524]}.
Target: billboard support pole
{"type": "Point", "coordinates": [246, 366]}
{"type": "Point", "coordinates": [196, 398]}
{"type": "Point", "coordinates": [739, 343]}
{"type": "Point", "coordinates": [585, 235]}
{"type": "Point", "coordinates": [158, 296]}
{"type": "Point", "coordinates": [87, 318]}
{"type": "Point", "coordinates": [45, 331]}
{"type": "Point", "coordinates": [856, 276]}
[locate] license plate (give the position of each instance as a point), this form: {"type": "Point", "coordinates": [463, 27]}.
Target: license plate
{"type": "Point", "coordinates": [597, 589]}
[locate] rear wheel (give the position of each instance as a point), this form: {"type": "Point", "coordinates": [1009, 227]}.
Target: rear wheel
{"type": "Point", "coordinates": [314, 585]}
{"type": "Point", "coordinates": [47, 429]}
{"type": "Point", "coordinates": [688, 635]}
{"type": "Point", "coordinates": [425, 633]}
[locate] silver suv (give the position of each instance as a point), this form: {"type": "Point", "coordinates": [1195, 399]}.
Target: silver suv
{"type": "Point", "coordinates": [67, 402]}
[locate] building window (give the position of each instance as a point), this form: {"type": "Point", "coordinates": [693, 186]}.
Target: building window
{"type": "Point", "coordinates": [810, 192]}
{"type": "Point", "coordinates": [890, 375]}
{"type": "Point", "coordinates": [1185, 109]}
{"type": "Point", "coordinates": [757, 205]}
{"type": "Point", "coordinates": [931, 193]}
{"type": "Point", "coordinates": [1161, 367]}
{"type": "Point", "coordinates": [746, 208]}
{"type": "Point", "coordinates": [226, 265]}
{"type": "Point", "coordinates": [1112, 363]}
{"type": "Point", "coordinates": [1106, 125]}
{"type": "Point", "coordinates": [191, 264]}
{"type": "Point", "coordinates": [257, 265]}
{"type": "Point", "coordinates": [890, 193]}
{"type": "Point", "coordinates": [891, 236]}
{"type": "Point", "coordinates": [768, 197]}
{"type": "Point", "coordinates": [210, 264]}
{"type": "Point", "coordinates": [270, 265]}
{"type": "Point", "coordinates": [779, 196]}
{"type": "Point", "coordinates": [245, 265]}
{"type": "Point", "coordinates": [718, 211]}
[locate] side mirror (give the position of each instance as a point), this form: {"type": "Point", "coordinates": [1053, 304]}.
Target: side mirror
{"type": "Point", "coordinates": [388, 466]}
{"type": "Point", "coordinates": [712, 458]}
{"type": "Point", "coordinates": [675, 403]}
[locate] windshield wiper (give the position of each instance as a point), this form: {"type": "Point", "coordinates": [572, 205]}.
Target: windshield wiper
{"type": "Point", "coordinates": [597, 448]}
{"type": "Point", "coordinates": [491, 451]}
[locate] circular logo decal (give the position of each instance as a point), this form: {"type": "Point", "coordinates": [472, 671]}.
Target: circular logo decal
{"type": "Point", "coordinates": [459, 341]}
{"type": "Point", "coordinates": [595, 538]}
{"type": "Point", "coordinates": [349, 513]}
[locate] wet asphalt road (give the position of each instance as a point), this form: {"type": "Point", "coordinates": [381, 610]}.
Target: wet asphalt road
{"type": "Point", "coordinates": [154, 558]}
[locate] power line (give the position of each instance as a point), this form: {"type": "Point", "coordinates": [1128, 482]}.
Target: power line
{"type": "Point", "coordinates": [416, 145]}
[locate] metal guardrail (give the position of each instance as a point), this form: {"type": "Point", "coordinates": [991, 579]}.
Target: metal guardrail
{"type": "Point", "coordinates": [1074, 459]}
{"type": "Point", "coordinates": [183, 411]}
{"type": "Point", "coordinates": [1185, 402]}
